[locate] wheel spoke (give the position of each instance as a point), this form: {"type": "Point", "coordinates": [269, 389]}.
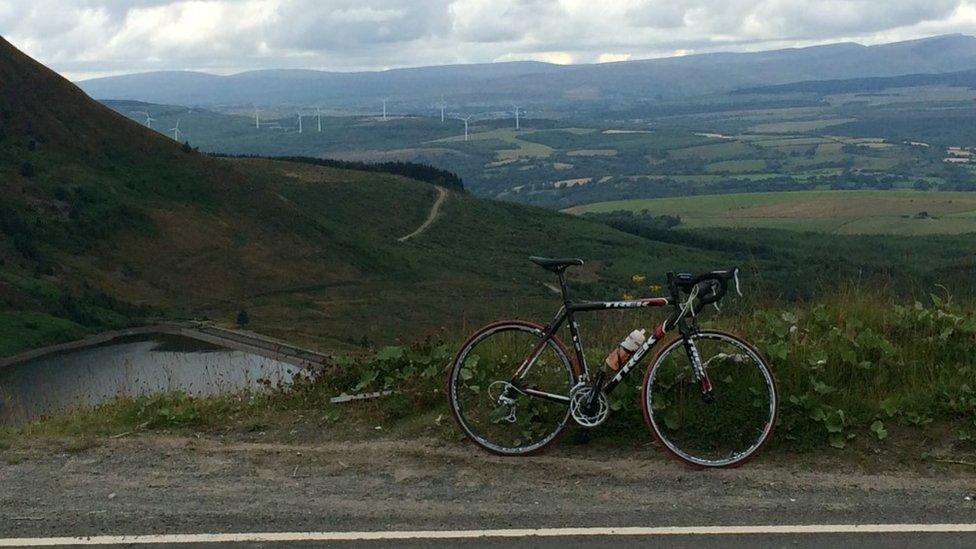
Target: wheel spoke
{"type": "Point", "coordinates": [500, 416]}
{"type": "Point", "coordinates": [729, 425]}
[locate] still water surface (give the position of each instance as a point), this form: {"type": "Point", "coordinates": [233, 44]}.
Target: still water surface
{"type": "Point", "coordinates": [130, 367]}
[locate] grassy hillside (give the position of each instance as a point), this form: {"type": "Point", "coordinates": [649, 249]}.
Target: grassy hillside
{"type": "Point", "coordinates": [118, 224]}
{"type": "Point", "coordinates": [107, 223]}
{"type": "Point", "coordinates": [356, 281]}
{"type": "Point", "coordinates": [808, 252]}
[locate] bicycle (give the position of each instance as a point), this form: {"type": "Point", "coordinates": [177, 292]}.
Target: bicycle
{"type": "Point", "coordinates": [708, 396]}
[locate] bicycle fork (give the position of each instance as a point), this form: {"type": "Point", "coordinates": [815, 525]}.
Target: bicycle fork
{"type": "Point", "coordinates": [704, 383]}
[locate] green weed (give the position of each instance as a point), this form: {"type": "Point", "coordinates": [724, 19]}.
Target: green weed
{"type": "Point", "coordinates": [845, 369]}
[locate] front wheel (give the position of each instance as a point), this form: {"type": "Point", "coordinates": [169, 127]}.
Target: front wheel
{"type": "Point", "coordinates": [501, 411]}
{"type": "Point", "coordinates": [724, 427]}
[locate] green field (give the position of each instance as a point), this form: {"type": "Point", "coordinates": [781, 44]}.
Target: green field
{"type": "Point", "coordinates": [505, 135]}
{"type": "Point", "coordinates": [799, 125]}
{"type": "Point", "coordinates": [901, 212]}
{"type": "Point", "coordinates": [751, 150]}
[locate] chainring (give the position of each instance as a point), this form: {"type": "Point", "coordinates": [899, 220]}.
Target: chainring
{"type": "Point", "coordinates": [577, 404]}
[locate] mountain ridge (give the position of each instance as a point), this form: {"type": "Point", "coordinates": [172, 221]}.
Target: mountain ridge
{"type": "Point", "coordinates": [874, 83]}
{"type": "Point", "coordinates": [419, 87]}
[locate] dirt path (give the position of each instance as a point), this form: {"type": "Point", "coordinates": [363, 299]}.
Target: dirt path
{"type": "Point", "coordinates": [232, 483]}
{"type": "Point", "coordinates": [434, 210]}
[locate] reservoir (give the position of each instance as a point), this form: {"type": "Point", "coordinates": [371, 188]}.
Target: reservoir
{"type": "Point", "coordinates": [132, 366]}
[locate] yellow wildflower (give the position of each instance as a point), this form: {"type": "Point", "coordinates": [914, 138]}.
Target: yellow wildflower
{"type": "Point", "coordinates": [638, 279]}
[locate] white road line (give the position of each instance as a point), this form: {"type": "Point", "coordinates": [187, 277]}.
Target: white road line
{"type": "Point", "coordinates": [170, 539]}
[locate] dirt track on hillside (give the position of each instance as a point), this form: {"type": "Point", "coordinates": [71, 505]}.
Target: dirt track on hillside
{"type": "Point", "coordinates": [431, 217]}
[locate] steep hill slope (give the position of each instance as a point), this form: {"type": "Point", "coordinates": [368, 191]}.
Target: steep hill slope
{"type": "Point", "coordinates": [37, 104]}
{"type": "Point", "coordinates": [420, 88]}
{"type": "Point", "coordinates": [105, 222]}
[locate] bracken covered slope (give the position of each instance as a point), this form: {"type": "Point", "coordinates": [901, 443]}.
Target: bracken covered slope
{"type": "Point", "coordinates": [105, 222]}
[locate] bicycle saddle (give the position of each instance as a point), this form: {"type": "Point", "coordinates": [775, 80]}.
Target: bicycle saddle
{"type": "Point", "coordinates": [557, 264]}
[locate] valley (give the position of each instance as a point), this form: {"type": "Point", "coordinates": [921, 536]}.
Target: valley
{"type": "Point", "coordinates": [309, 250]}
{"type": "Point", "coordinates": [383, 239]}
{"type": "Point", "coordinates": [733, 144]}
{"type": "Point", "coordinates": [388, 273]}
{"type": "Point", "coordinates": [129, 225]}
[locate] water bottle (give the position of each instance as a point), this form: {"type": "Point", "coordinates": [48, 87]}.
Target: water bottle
{"type": "Point", "coordinates": [622, 353]}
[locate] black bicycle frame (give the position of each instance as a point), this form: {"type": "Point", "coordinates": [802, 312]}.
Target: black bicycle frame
{"type": "Point", "coordinates": [567, 312]}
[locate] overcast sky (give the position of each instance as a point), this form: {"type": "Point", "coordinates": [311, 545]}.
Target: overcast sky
{"type": "Point", "coordinates": [85, 38]}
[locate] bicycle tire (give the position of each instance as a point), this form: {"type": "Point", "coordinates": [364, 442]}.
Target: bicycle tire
{"type": "Point", "coordinates": [655, 426]}
{"type": "Point", "coordinates": [472, 432]}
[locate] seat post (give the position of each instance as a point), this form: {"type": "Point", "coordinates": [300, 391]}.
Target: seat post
{"type": "Point", "coordinates": [562, 285]}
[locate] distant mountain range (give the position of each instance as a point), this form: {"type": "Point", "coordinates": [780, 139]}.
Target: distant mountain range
{"type": "Point", "coordinates": [534, 82]}
{"type": "Point", "coordinates": [961, 79]}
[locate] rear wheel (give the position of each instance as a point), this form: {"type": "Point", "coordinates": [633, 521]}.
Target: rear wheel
{"type": "Point", "coordinates": [497, 414]}
{"type": "Point", "coordinates": [720, 430]}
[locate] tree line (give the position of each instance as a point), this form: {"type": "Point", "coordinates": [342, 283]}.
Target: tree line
{"type": "Point", "coordinates": [413, 170]}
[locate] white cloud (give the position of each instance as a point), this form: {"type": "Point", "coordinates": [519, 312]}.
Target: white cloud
{"type": "Point", "coordinates": [556, 57]}
{"type": "Point", "coordinates": [613, 57]}
{"type": "Point", "coordinates": [85, 37]}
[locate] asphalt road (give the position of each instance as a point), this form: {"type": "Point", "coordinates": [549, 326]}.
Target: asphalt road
{"type": "Point", "coordinates": [864, 540]}
{"type": "Point", "coordinates": [943, 541]}
{"type": "Point", "coordinates": [158, 485]}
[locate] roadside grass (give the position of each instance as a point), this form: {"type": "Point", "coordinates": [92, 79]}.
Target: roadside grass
{"type": "Point", "coordinates": [854, 372]}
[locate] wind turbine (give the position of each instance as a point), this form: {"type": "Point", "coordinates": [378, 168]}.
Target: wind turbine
{"type": "Point", "coordinates": [299, 113]}
{"type": "Point", "coordinates": [469, 117]}
{"type": "Point", "coordinates": [384, 110]}
{"type": "Point", "coordinates": [318, 114]}
{"type": "Point", "coordinates": [442, 104]}
{"type": "Point", "coordinates": [176, 131]}
{"type": "Point", "coordinates": [149, 118]}
{"type": "Point", "coordinates": [517, 109]}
